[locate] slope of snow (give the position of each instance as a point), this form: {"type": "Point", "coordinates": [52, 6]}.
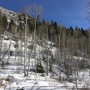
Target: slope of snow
{"type": "Point", "coordinates": [12, 75]}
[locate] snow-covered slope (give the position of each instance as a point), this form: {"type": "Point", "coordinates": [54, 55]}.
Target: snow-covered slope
{"type": "Point", "coordinates": [13, 54]}
{"type": "Point", "coordinates": [12, 75]}
{"type": "Point", "coordinates": [9, 14]}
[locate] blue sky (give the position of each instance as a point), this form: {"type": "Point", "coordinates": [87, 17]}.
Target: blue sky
{"type": "Point", "coordinates": [65, 12]}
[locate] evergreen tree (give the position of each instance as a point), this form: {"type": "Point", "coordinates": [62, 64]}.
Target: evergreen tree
{"type": "Point", "coordinates": [0, 18]}
{"type": "Point", "coordinates": [12, 26]}
{"type": "Point", "coordinates": [1, 27]}
{"type": "Point", "coordinates": [4, 21]}
{"type": "Point", "coordinates": [39, 68]}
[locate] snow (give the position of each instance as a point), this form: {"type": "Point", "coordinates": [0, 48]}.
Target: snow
{"type": "Point", "coordinates": [8, 20]}
{"type": "Point", "coordinates": [53, 50]}
{"type": "Point", "coordinates": [10, 15]}
{"type": "Point", "coordinates": [16, 79]}
{"type": "Point", "coordinates": [80, 58]}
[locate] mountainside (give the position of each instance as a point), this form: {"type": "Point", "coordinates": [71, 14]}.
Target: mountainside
{"type": "Point", "coordinates": [15, 55]}
{"type": "Point", "coordinates": [9, 14]}
{"type": "Point", "coordinates": [41, 55]}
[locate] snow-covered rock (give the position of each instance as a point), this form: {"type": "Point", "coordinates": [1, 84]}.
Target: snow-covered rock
{"type": "Point", "coordinates": [10, 14]}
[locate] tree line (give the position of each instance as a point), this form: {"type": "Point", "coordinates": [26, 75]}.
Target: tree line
{"type": "Point", "coordinates": [68, 36]}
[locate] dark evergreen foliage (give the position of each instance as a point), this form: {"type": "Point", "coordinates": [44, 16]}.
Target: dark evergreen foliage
{"type": "Point", "coordinates": [77, 35]}
{"type": "Point", "coordinates": [4, 21]}
{"type": "Point", "coordinates": [39, 68]}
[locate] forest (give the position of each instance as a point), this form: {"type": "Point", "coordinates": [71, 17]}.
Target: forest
{"type": "Point", "coordinates": [45, 42]}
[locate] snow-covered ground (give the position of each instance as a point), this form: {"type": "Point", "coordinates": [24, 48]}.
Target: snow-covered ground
{"type": "Point", "coordinates": [12, 75]}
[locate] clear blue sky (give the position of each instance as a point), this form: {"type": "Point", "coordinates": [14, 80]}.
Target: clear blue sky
{"type": "Point", "coordinates": [66, 12]}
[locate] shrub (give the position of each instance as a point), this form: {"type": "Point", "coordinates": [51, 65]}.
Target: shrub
{"type": "Point", "coordinates": [30, 47]}
{"type": "Point", "coordinates": [39, 68]}
{"type": "Point", "coordinates": [16, 45]}
{"type": "Point", "coordinates": [11, 53]}
{"type": "Point", "coordinates": [3, 65]}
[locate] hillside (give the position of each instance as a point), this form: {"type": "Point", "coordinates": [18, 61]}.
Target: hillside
{"type": "Point", "coordinates": [12, 73]}
{"type": "Point", "coordinates": [47, 57]}
{"type": "Point", "coordinates": [9, 14]}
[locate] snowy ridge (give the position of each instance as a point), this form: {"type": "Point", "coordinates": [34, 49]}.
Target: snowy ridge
{"type": "Point", "coordinates": [9, 14]}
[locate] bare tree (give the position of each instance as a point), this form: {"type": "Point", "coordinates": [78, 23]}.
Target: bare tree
{"type": "Point", "coordinates": [88, 10]}
{"type": "Point", "coordinates": [33, 11]}
{"type": "Point", "coordinates": [26, 11]}
{"type": "Point", "coordinates": [60, 61]}
{"type": "Point", "coordinates": [89, 51]}
{"type": "Point", "coordinates": [88, 18]}
{"type": "Point", "coordinates": [47, 54]}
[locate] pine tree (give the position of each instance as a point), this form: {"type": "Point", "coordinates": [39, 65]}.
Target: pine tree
{"type": "Point", "coordinates": [12, 26]}
{"type": "Point", "coordinates": [39, 68]}
{"type": "Point", "coordinates": [4, 21]}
